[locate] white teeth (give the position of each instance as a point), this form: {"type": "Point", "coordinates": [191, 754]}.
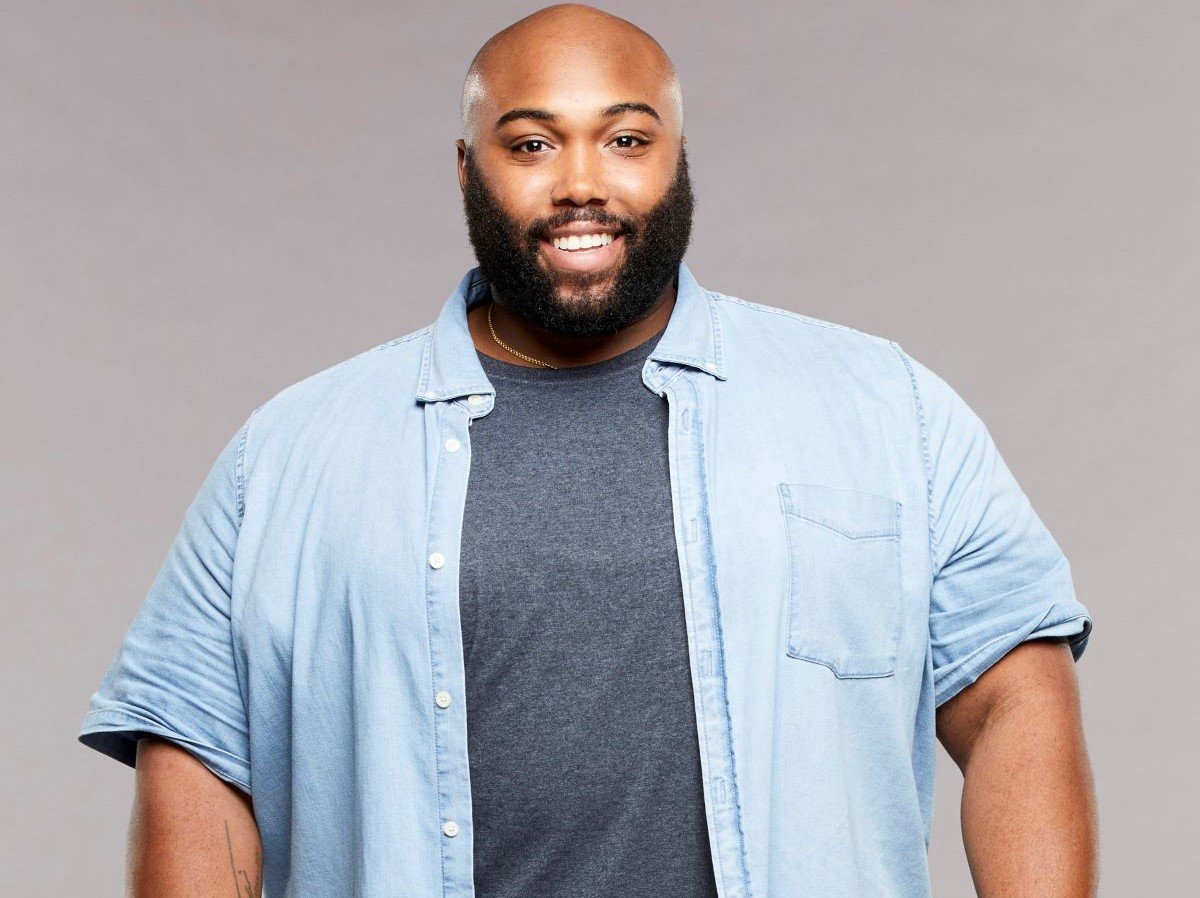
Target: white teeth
{"type": "Point", "coordinates": [587, 241]}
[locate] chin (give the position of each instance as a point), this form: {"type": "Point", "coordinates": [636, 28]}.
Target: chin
{"type": "Point", "coordinates": [573, 298]}
{"type": "Point", "coordinates": [588, 282]}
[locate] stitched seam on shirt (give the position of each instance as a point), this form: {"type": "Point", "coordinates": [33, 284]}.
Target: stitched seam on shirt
{"type": "Point", "coordinates": [426, 362]}
{"type": "Point", "coordinates": [718, 337]}
{"type": "Point", "coordinates": [689, 596]}
{"type": "Point", "coordinates": [1066, 620]}
{"type": "Point", "coordinates": [797, 316]}
{"type": "Point", "coordinates": [963, 667]}
{"type": "Point", "coordinates": [103, 716]}
{"type": "Point", "coordinates": [240, 482]}
{"type": "Point", "coordinates": [925, 460]}
{"type": "Point", "coordinates": [701, 719]}
{"type": "Point", "coordinates": [403, 339]}
{"type": "Point", "coordinates": [240, 468]}
{"type": "Point", "coordinates": [712, 582]}
{"type": "Point", "coordinates": [437, 750]}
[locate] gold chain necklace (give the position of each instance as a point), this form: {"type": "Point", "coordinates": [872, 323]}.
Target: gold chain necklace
{"type": "Point", "coordinates": [519, 355]}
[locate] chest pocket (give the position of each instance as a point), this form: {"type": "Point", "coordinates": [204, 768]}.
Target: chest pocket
{"type": "Point", "coordinates": [844, 600]}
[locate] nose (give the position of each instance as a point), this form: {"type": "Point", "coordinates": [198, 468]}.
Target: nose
{"type": "Point", "coordinates": [581, 178]}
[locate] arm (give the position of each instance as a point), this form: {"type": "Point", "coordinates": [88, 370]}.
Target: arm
{"type": "Point", "coordinates": [1029, 817]}
{"type": "Point", "coordinates": [191, 833]}
{"type": "Point", "coordinates": [171, 706]}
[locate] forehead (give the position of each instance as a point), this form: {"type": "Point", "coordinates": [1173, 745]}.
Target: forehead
{"type": "Point", "coordinates": [574, 82]}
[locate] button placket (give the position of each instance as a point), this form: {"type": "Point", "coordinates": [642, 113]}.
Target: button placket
{"type": "Point", "coordinates": [690, 501]}
{"type": "Point", "coordinates": [450, 421]}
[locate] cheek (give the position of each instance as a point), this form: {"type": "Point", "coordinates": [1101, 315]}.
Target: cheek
{"type": "Point", "coordinates": [639, 187]}
{"type": "Point", "coordinates": [524, 192]}
{"type": "Point", "coordinates": [522, 215]}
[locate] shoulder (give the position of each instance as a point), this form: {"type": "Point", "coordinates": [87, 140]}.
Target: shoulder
{"type": "Point", "coordinates": [766, 334]}
{"type": "Point", "coordinates": [383, 374]}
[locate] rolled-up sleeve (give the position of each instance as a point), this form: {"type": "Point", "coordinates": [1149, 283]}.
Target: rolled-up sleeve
{"type": "Point", "coordinates": [999, 576]}
{"type": "Point", "coordinates": [174, 675]}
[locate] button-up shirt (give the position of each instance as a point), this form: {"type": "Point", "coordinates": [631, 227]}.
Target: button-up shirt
{"type": "Point", "coordinates": [853, 551]}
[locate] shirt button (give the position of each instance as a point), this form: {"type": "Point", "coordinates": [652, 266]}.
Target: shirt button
{"type": "Point", "coordinates": [436, 560]}
{"type": "Point", "coordinates": [475, 399]}
{"type": "Point", "coordinates": [450, 828]}
{"type": "Point", "coordinates": [711, 366]}
{"type": "Point", "coordinates": [451, 445]}
{"type": "Point", "coordinates": [442, 699]}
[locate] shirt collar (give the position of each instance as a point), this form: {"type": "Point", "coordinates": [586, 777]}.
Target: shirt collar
{"type": "Point", "coordinates": [450, 365]}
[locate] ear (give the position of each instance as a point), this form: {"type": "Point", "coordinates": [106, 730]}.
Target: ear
{"type": "Point", "coordinates": [462, 164]}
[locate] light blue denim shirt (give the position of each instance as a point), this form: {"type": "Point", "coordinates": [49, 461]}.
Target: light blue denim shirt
{"type": "Point", "coordinates": [853, 550]}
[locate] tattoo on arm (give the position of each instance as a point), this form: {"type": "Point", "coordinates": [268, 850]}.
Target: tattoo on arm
{"type": "Point", "coordinates": [246, 888]}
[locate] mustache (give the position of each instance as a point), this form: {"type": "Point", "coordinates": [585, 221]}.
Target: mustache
{"type": "Point", "coordinates": [624, 224]}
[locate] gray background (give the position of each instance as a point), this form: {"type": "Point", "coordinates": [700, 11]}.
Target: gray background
{"type": "Point", "coordinates": [204, 203]}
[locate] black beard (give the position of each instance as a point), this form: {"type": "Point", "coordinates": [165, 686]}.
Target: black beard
{"type": "Point", "coordinates": [508, 256]}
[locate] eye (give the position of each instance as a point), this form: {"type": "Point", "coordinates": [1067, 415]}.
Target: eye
{"type": "Point", "coordinates": [640, 141]}
{"type": "Point", "coordinates": [539, 143]}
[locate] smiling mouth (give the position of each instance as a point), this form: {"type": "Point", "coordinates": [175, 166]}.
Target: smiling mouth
{"type": "Point", "coordinates": [579, 243]}
{"type": "Point", "coordinates": [583, 252]}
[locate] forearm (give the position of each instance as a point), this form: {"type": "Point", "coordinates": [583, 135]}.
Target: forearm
{"type": "Point", "coordinates": [1029, 818]}
{"type": "Point", "coordinates": [191, 834]}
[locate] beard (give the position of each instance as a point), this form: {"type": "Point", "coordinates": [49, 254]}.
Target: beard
{"type": "Point", "coordinates": [578, 303]}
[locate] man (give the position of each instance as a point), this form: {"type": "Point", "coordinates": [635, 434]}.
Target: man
{"type": "Point", "coordinates": [603, 583]}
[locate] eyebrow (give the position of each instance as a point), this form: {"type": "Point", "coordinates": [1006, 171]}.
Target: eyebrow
{"type": "Point", "coordinates": [545, 115]}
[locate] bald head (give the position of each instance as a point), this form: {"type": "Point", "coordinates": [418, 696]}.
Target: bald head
{"type": "Point", "coordinates": [536, 52]}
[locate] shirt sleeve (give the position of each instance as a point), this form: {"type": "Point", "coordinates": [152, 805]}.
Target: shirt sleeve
{"type": "Point", "coordinates": [174, 675]}
{"type": "Point", "coordinates": [999, 577]}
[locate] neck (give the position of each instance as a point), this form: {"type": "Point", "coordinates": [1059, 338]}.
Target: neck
{"type": "Point", "coordinates": [562, 350]}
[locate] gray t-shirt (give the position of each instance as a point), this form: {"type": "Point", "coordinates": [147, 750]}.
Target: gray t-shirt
{"type": "Point", "coordinates": [584, 758]}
